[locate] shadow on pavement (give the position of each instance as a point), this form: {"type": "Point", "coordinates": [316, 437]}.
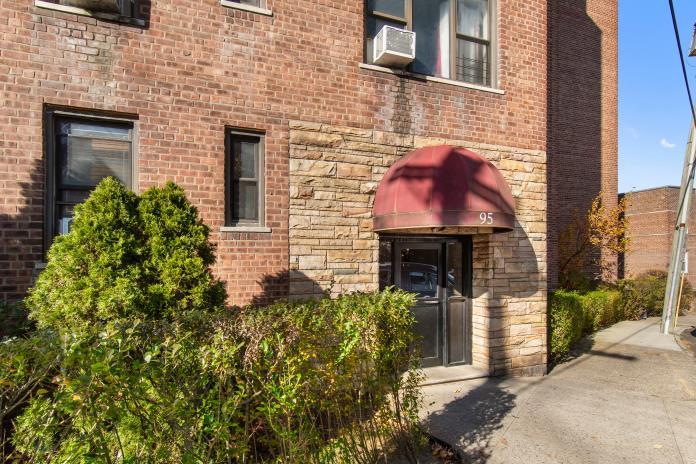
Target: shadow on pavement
{"type": "Point", "coordinates": [470, 423]}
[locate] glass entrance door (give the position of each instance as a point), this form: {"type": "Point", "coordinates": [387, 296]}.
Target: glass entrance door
{"type": "Point", "coordinates": [439, 273]}
{"type": "Point", "coordinates": [417, 266]}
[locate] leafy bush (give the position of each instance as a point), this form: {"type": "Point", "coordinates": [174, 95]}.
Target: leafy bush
{"type": "Point", "coordinates": [127, 258]}
{"type": "Point", "coordinates": [303, 382]}
{"type": "Point", "coordinates": [13, 319]}
{"type": "Point", "coordinates": [573, 315]}
{"type": "Point", "coordinates": [26, 367]}
{"type": "Point", "coordinates": [143, 363]}
{"type": "Point", "coordinates": [646, 293]}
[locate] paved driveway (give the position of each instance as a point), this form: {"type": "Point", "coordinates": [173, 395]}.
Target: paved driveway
{"type": "Point", "coordinates": [630, 398]}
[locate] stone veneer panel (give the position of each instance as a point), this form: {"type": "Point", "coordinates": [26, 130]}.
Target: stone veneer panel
{"type": "Point", "coordinates": [334, 173]}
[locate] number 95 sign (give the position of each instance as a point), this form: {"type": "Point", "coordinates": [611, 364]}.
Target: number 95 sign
{"type": "Point", "coordinates": [486, 218]}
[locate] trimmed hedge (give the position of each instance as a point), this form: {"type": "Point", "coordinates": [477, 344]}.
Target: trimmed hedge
{"type": "Point", "coordinates": [573, 315]}
{"type": "Point", "coordinates": [291, 383]}
{"type": "Point", "coordinates": [646, 293]}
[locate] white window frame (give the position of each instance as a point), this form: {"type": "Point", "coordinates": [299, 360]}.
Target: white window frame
{"type": "Point", "coordinates": [262, 10]}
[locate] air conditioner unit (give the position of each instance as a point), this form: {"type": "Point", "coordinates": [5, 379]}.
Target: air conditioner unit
{"type": "Point", "coordinates": [394, 47]}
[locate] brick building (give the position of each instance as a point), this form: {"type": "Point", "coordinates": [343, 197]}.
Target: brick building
{"type": "Point", "coordinates": [583, 115]}
{"type": "Point", "coordinates": [652, 215]}
{"type": "Point", "coordinates": [279, 125]}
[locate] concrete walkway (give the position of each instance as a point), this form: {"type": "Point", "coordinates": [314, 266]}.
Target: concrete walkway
{"type": "Point", "coordinates": [629, 398]}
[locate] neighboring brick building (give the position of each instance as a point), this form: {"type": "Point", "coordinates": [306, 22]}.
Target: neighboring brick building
{"type": "Point", "coordinates": [652, 215]}
{"type": "Point", "coordinates": [273, 120]}
{"type": "Point", "coordinates": [583, 115]}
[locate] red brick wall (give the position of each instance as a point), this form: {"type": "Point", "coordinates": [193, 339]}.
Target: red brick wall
{"type": "Point", "coordinates": [582, 129]}
{"type": "Point", "coordinates": [199, 67]}
{"type": "Point", "coordinates": [652, 215]}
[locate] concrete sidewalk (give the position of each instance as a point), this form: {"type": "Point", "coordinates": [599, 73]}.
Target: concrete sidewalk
{"type": "Point", "coordinates": [630, 398]}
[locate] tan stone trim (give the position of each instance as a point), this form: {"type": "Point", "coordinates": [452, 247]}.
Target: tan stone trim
{"type": "Point", "coordinates": [380, 138]}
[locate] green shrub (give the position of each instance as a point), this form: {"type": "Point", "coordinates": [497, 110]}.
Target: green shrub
{"type": "Point", "coordinates": [573, 315]}
{"type": "Point", "coordinates": [143, 363]}
{"type": "Point", "coordinates": [13, 319]}
{"type": "Point", "coordinates": [303, 382]}
{"type": "Point", "coordinates": [567, 321]}
{"type": "Point", "coordinates": [26, 367]}
{"type": "Point", "coordinates": [127, 257]}
{"type": "Point", "coordinates": [646, 293]}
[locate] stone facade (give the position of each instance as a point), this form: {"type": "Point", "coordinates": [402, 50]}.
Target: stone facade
{"type": "Point", "coordinates": [334, 173]}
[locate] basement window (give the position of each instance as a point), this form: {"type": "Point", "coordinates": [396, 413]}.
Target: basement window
{"type": "Point", "coordinates": [125, 11]}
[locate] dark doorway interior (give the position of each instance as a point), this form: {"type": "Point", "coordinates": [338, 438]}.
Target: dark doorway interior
{"type": "Point", "coordinates": [439, 271]}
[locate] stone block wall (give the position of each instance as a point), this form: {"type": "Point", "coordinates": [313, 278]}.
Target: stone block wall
{"type": "Point", "coordinates": [334, 173]}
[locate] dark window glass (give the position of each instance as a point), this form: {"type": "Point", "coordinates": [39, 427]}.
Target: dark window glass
{"type": "Point", "coordinates": [419, 270]}
{"type": "Point", "coordinates": [455, 269]}
{"type": "Point", "coordinates": [385, 264]}
{"type": "Point", "coordinates": [431, 23]}
{"type": "Point", "coordinates": [244, 179]}
{"type": "Point", "coordinates": [390, 7]}
{"type": "Point", "coordinates": [87, 151]}
{"type": "Point", "coordinates": [125, 8]}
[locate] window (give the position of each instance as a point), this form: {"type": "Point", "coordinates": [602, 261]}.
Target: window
{"type": "Point", "coordinates": [256, 3]}
{"type": "Point", "coordinates": [253, 6]}
{"type": "Point", "coordinates": [117, 10]}
{"type": "Point", "coordinates": [244, 205]}
{"type": "Point", "coordinates": [81, 150]}
{"type": "Point", "coordinates": [453, 37]}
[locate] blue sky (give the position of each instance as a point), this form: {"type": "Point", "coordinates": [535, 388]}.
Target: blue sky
{"type": "Point", "coordinates": [653, 106]}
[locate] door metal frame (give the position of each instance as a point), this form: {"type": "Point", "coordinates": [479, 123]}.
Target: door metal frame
{"type": "Point", "coordinates": [441, 244]}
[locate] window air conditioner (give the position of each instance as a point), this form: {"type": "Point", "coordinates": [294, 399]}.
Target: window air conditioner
{"type": "Point", "coordinates": [394, 47]}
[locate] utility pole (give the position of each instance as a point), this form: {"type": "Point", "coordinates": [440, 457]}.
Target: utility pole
{"type": "Point", "coordinates": [676, 260]}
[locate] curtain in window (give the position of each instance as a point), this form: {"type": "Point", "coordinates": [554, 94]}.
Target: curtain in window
{"type": "Point", "coordinates": [431, 22]}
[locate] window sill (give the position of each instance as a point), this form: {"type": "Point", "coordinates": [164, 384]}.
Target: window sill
{"type": "Point", "coordinates": [246, 229]}
{"type": "Point", "coordinates": [249, 8]}
{"type": "Point", "coordinates": [91, 14]}
{"type": "Point", "coordinates": [442, 80]}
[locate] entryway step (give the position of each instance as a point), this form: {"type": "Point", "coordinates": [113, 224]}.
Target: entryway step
{"type": "Point", "coordinates": [440, 374]}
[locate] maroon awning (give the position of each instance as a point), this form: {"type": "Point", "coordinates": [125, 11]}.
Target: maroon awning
{"type": "Point", "coordinates": [435, 187]}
